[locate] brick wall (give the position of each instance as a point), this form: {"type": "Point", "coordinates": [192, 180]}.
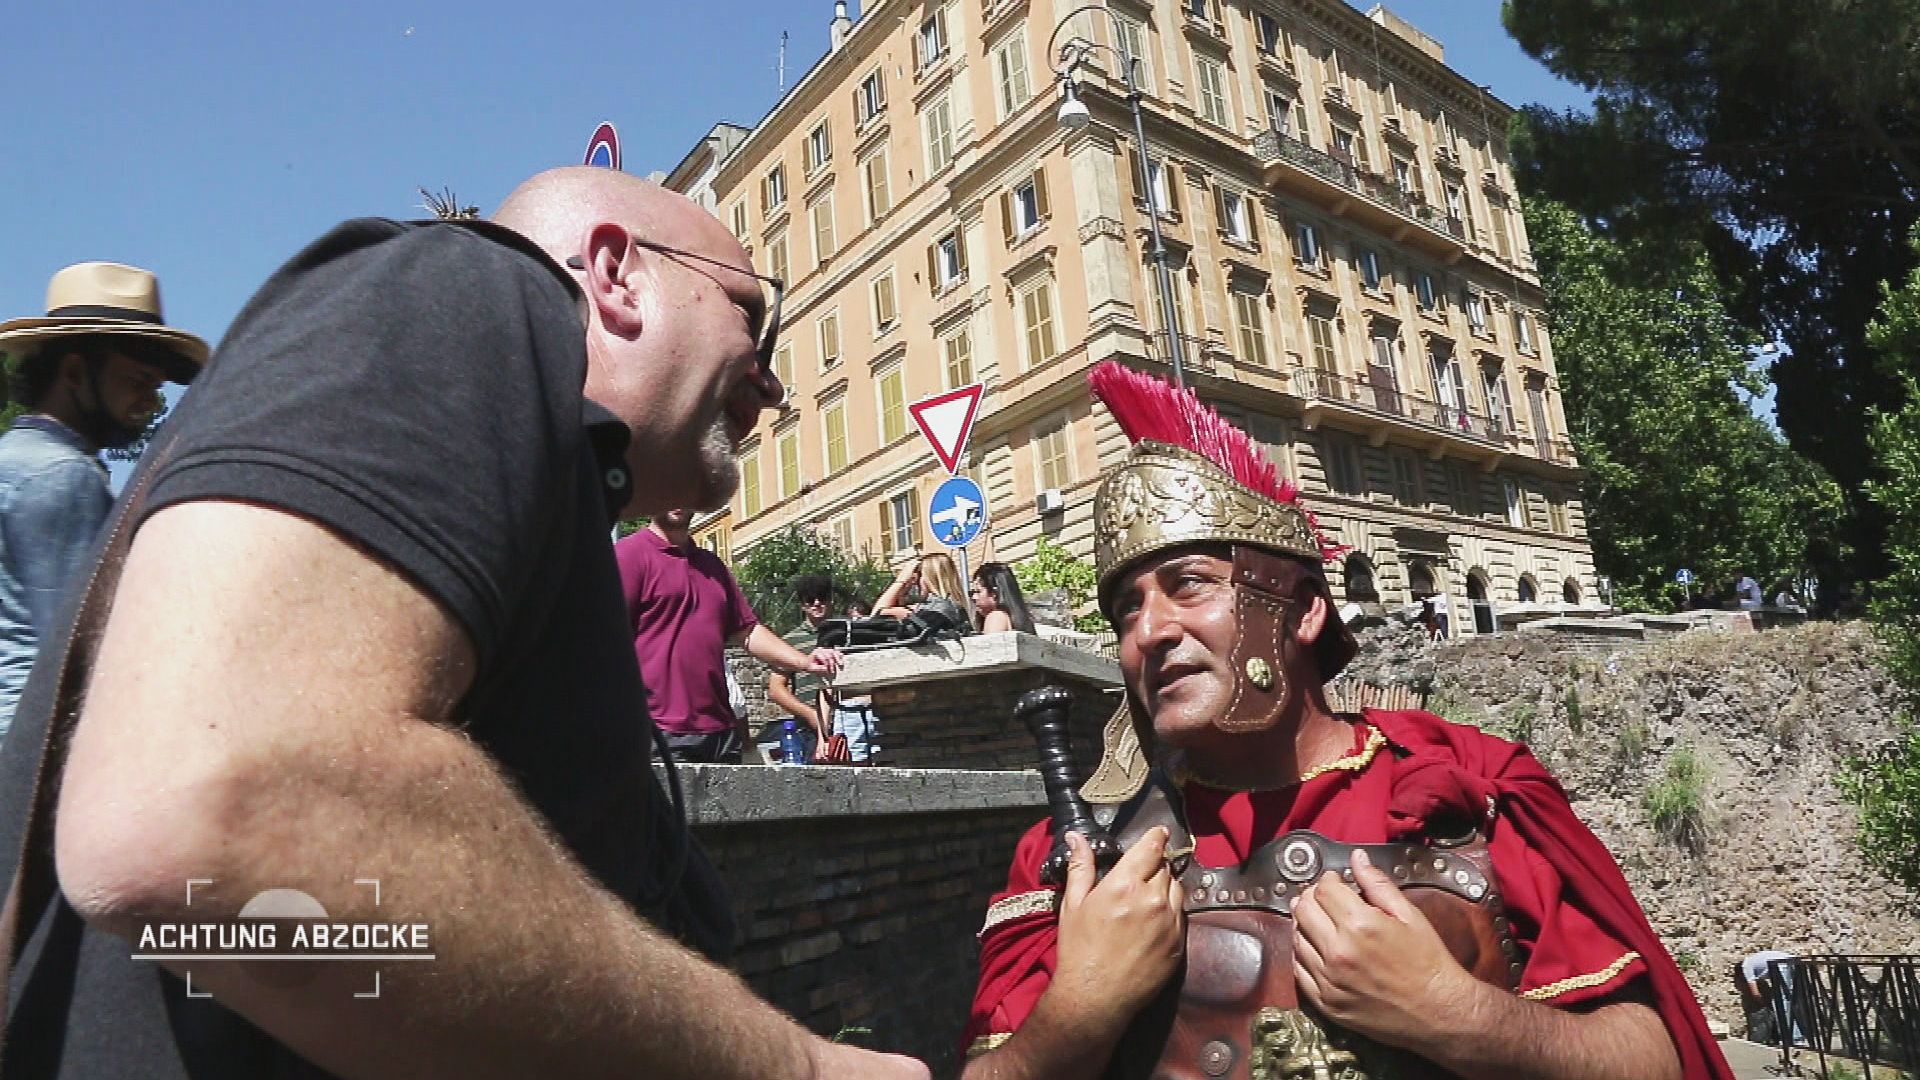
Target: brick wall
{"type": "Point", "coordinates": [859, 892]}
{"type": "Point", "coordinates": [968, 723]}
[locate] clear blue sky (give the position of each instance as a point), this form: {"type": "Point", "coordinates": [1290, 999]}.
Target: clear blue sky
{"type": "Point", "coordinates": [210, 140]}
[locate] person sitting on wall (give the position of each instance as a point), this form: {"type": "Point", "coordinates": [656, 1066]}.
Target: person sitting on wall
{"type": "Point", "coordinates": [997, 603]}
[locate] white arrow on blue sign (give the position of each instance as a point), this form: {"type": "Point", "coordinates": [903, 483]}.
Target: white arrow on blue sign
{"type": "Point", "coordinates": [957, 512]}
{"type": "Point", "coordinates": [1684, 577]}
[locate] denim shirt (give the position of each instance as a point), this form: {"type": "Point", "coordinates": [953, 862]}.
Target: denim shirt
{"type": "Point", "coordinates": [53, 501]}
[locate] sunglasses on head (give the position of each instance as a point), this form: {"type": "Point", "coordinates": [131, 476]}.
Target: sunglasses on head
{"type": "Point", "coordinates": [772, 291]}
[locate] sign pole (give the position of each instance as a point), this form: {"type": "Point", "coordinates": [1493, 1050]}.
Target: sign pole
{"type": "Point", "coordinates": [966, 579]}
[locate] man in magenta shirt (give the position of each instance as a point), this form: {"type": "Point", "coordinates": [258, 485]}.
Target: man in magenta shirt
{"type": "Point", "coordinates": [685, 608]}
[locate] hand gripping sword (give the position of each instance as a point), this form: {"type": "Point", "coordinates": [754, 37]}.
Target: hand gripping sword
{"type": "Point", "coordinates": [1044, 711]}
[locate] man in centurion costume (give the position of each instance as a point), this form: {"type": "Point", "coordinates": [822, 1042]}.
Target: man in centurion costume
{"type": "Point", "coordinates": [1302, 894]}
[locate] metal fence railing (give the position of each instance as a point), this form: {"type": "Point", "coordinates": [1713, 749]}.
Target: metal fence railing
{"type": "Point", "coordinates": [1861, 1010]}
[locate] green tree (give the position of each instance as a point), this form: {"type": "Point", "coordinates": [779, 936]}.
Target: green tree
{"type": "Point", "coordinates": [1895, 439]}
{"type": "Point", "coordinates": [1052, 567]}
{"type": "Point", "coordinates": [1654, 369]}
{"type": "Point", "coordinates": [766, 573]}
{"type": "Point", "coordinates": [1783, 136]}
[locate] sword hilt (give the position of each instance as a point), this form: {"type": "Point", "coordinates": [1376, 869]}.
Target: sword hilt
{"type": "Point", "coordinates": [1044, 711]}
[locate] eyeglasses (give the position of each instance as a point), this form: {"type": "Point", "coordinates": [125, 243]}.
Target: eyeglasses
{"type": "Point", "coordinates": [772, 293]}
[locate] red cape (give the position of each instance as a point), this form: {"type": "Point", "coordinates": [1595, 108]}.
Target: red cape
{"type": "Point", "coordinates": [1458, 767]}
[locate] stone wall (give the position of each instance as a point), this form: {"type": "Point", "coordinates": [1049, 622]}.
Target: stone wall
{"type": "Point", "coordinates": [968, 723]}
{"type": "Point", "coordinates": [1773, 715]}
{"type": "Point", "coordinates": [859, 891]}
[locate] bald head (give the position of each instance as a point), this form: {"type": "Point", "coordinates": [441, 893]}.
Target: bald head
{"type": "Point", "coordinates": [556, 208]}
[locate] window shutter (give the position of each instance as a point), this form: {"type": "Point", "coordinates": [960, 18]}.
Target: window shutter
{"type": "Point", "coordinates": [1173, 186]}
{"type": "Point", "coordinates": [1006, 215]}
{"type": "Point", "coordinates": [1220, 208]}
{"type": "Point", "coordinates": [960, 251]}
{"type": "Point", "coordinates": [933, 266]}
{"type": "Point", "coordinates": [1041, 208]}
{"type": "Point", "coordinates": [1139, 177]}
{"type": "Point", "coordinates": [1251, 206]}
{"type": "Point", "coordinates": [919, 59]}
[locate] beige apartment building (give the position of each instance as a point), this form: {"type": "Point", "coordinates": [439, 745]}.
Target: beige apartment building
{"type": "Point", "coordinates": [1351, 277]}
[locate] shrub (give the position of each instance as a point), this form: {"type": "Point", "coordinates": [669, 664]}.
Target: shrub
{"type": "Point", "coordinates": [1630, 745]}
{"type": "Point", "coordinates": [1677, 801]}
{"type": "Point", "coordinates": [1052, 567]}
{"type": "Point", "coordinates": [1572, 703]}
{"type": "Point", "coordinates": [1885, 786]}
{"type": "Point", "coordinates": [1516, 723]}
{"type": "Point", "coordinates": [767, 570]}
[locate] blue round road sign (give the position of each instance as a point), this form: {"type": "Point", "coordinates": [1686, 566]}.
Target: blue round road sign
{"type": "Point", "coordinates": [957, 512]}
{"type": "Point", "coordinates": [1683, 576]}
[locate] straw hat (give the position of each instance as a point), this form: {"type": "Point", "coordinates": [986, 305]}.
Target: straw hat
{"type": "Point", "coordinates": [103, 298]}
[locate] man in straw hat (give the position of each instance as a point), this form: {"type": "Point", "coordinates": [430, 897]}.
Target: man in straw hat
{"type": "Point", "coordinates": [1303, 893]}
{"type": "Point", "coordinates": [367, 644]}
{"type": "Point", "coordinates": [89, 374]}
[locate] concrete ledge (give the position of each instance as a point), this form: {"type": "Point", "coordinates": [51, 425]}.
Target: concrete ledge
{"type": "Point", "coordinates": [1612, 628]}
{"type": "Point", "coordinates": [976, 654]}
{"type": "Point", "coordinates": [737, 794]}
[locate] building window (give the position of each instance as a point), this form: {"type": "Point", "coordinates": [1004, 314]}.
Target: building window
{"type": "Point", "coordinates": [1463, 489]}
{"type": "Point", "coordinates": [1036, 321]}
{"type": "Point", "coordinates": [1024, 206]}
{"type": "Point", "coordinates": [1369, 260]}
{"type": "Point", "coordinates": [1493, 381]}
{"type": "Point", "coordinates": [1274, 40]}
{"type": "Point", "coordinates": [1010, 72]}
{"type": "Point", "coordinates": [1449, 386]}
{"type": "Point", "coordinates": [819, 148]}
{"type": "Point", "coordinates": [1253, 332]}
{"type": "Point", "coordinates": [893, 405]}
{"type": "Point", "coordinates": [946, 261]}
{"type": "Point", "coordinates": [788, 448]}
{"type": "Point", "coordinates": [958, 347]}
{"type": "Point", "coordinates": [870, 100]}
{"type": "Point", "coordinates": [1238, 214]}
{"type": "Point", "coordinates": [1165, 192]}
{"type": "Point", "coordinates": [773, 190]}
{"type": "Point", "coordinates": [783, 364]}
{"type": "Point", "coordinates": [833, 429]}
{"type": "Point", "coordinates": [1349, 147]}
{"type": "Point", "coordinates": [1457, 219]}
{"type": "Point", "coordinates": [842, 532]}
{"type": "Point", "coordinates": [1199, 9]}
{"type": "Point", "coordinates": [1279, 112]}
{"type": "Point", "coordinates": [879, 194]}
{"type": "Point", "coordinates": [1516, 504]}
{"type": "Point", "coordinates": [1306, 245]}
{"type": "Point", "coordinates": [937, 125]}
{"type": "Point", "coordinates": [823, 238]}
{"type": "Point", "coordinates": [1053, 454]}
{"type": "Point", "coordinates": [1523, 331]}
{"type": "Point", "coordinates": [930, 47]}
{"type": "Point", "coordinates": [1502, 243]}
{"type": "Point", "coordinates": [1476, 311]}
{"type": "Point", "coordinates": [885, 313]}
{"type": "Point", "coordinates": [1557, 519]}
{"type": "Point", "coordinates": [1179, 305]}
{"type": "Point", "coordinates": [777, 257]}
{"type": "Point", "coordinates": [1131, 36]}
{"type": "Point", "coordinates": [829, 340]}
{"type": "Point", "coordinates": [1320, 334]}
{"type": "Point", "coordinates": [900, 522]}
{"type": "Point", "coordinates": [1213, 90]}
{"type": "Point", "coordinates": [1343, 465]}
{"type": "Point", "coordinates": [1424, 292]}
{"type": "Point", "coordinates": [749, 483]}
{"type": "Point", "coordinates": [739, 221]}
{"type": "Point", "coordinates": [1406, 480]}
{"type": "Point", "coordinates": [1407, 179]}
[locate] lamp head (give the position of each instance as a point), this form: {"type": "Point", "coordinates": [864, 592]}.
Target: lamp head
{"type": "Point", "coordinates": [1073, 114]}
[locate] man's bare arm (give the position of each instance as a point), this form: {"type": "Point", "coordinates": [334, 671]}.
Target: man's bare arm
{"type": "Point", "coordinates": [1496, 1034]}
{"type": "Point", "coordinates": [780, 690]}
{"type": "Point", "coordinates": [272, 708]}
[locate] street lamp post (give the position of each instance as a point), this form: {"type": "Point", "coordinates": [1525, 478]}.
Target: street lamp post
{"type": "Point", "coordinates": [1074, 115]}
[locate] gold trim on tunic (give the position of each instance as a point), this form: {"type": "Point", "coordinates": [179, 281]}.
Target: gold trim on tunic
{"type": "Point", "coordinates": [1020, 905]}
{"type": "Point", "coordinates": [1581, 982]}
{"type": "Point", "coordinates": [986, 1043]}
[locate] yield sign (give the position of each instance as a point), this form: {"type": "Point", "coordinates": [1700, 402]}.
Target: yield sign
{"type": "Point", "coordinates": [946, 420]}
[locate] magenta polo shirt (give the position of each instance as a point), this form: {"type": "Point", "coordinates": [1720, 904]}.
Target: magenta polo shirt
{"type": "Point", "coordinates": [683, 605]}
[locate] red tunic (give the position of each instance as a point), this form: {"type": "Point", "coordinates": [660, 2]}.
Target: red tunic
{"type": "Point", "coordinates": [1580, 933]}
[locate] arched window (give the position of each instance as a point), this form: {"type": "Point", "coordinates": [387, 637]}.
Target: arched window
{"type": "Point", "coordinates": [1527, 590]}
{"type": "Point", "coordinates": [1359, 574]}
{"type": "Point", "coordinates": [1420, 579]}
{"type": "Point", "coordinates": [1570, 590]}
{"type": "Point", "coordinates": [1482, 606]}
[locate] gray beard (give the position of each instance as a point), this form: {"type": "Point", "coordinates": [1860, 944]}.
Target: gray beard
{"type": "Point", "coordinates": [719, 469]}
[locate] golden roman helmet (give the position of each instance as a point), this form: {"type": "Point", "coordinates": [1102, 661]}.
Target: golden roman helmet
{"type": "Point", "coordinates": [1193, 478]}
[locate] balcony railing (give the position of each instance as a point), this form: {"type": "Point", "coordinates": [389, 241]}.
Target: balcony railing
{"type": "Point", "coordinates": [1387, 400]}
{"type": "Point", "coordinates": [1270, 146]}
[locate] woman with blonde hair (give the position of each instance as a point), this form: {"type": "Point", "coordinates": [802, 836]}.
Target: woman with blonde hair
{"type": "Point", "coordinates": [933, 575]}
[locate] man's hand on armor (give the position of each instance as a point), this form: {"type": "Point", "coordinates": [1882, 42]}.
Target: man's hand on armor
{"type": "Point", "coordinates": [1121, 936]}
{"type": "Point", "coordinates": [1370, 961]}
